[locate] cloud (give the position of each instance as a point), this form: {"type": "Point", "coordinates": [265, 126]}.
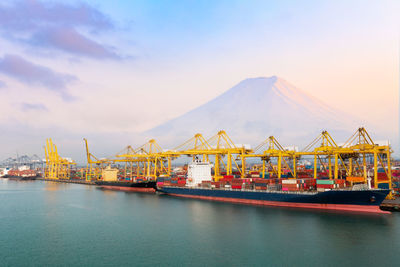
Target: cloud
{"type": "Point", "coordinates": [69, 40]}
{"type": "Point", "coordinates": [33, 106]}
{"type": "Point", "coordinates": [2, 84]}
{"type": "Point", "coordinates": [56, 26]}
{"type": "Point", "coordinates": [36, 75]}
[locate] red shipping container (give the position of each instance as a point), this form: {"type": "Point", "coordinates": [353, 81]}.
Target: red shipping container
{"type": "Point", "coordinates": [325, 186]}
{"type": "Point", "coordinates": [293, 189]}
{"type": "Point", "coordinates": [261, 188]}
{"type": "Point", "coordinates": [382, 176]}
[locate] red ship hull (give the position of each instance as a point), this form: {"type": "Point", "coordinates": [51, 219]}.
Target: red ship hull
{"type": "Point", "coordinates": [341, 207]}
{"type": "Point", "coordinates": [129, 189]}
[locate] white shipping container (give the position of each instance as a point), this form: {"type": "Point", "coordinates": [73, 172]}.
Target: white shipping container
{"type": "Point", "coordinates": [289, 181]}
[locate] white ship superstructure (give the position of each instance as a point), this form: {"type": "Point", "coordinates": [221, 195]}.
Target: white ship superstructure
{"type": "Point", "coordinates": [198, 171]}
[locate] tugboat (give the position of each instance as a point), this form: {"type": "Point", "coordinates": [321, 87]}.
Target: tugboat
{"type": "Point", "coordinates": [139, 184]}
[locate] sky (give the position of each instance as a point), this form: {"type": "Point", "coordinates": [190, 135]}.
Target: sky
{"type": "Point", "coordinates": [108, 70]}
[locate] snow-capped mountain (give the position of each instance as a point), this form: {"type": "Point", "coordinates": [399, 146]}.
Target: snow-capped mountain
{"type": "Point", "coordinates": [255, 109]}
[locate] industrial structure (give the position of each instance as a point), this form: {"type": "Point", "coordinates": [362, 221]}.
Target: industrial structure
{"type": "Point", "coordinates": [358, 160]}
{"type": "Point", "coordinates": [57, 167]}
{"type": "Point", "coordinates": [33, 161]}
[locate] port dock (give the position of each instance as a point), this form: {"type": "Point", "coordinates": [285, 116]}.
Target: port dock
{"type": "Point", "coordinates": [69, 181]}
{"type": "Point", "coordinates": [359, 164]}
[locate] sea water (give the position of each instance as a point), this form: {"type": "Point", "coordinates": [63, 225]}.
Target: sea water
{"type": "Point", "coordinates": [49, 223]}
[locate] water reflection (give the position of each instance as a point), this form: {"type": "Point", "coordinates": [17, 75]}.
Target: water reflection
{"type": "Point", "coordinates": [52, 186]}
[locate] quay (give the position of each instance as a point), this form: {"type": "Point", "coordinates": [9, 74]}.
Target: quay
{"type": "Point", "coordinates": [70, 181]}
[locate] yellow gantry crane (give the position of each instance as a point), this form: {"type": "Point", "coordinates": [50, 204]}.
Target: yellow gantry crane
{"type": "Point", "coordinates": [222, 145]}
{"type": "Point", "coordinates": [150, 160]}
{"type": "Point", "coordinates": [94, 165]}
{"type": "Point", "coordinates": [270, 149]}
{"type": "Point", "coordinates": [56, 166]}
{"type": "Point", "coordinates": [153, 159]}
{"type": "Point", "coordinates": [323, 148]}
{"type": "Point", "coordinates": [361, 143]}
{"type": "Point", "coordinates": [218, 146]}
{"type": "Point", "coordinates": [351, 157]}
{"type": "Point", "coordinates": [195, 146]}
{"type": "Point", "coordinates": [129, 167]}
{"type": "Point", "coordinates": [338, 161]}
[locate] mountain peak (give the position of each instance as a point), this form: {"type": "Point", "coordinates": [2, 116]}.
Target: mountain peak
{"type": "Point", "coordinates": [254, 109]}
{"type": "Point", "coordinates": [271, 79]}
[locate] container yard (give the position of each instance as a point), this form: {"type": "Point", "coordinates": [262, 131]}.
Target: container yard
{"type": "Point", "coordinates": [219, 165]}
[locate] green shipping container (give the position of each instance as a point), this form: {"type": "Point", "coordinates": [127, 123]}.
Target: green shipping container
{"type": "Point", "coordinates": [325, 182]}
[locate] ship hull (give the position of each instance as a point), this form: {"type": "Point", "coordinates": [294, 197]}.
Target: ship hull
{"type": "Point", "coordinates": [145, 187]}
{"type": "Point", "coordinates": [20, 177]}
{"type": "Point", "coordinates": [355, 201]}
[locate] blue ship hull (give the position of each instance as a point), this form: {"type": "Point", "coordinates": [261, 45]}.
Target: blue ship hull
{"type": "Point", "coordinates": [360, 201]}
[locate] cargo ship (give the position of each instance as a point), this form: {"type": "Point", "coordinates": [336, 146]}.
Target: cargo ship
{"type": "Point", "coordinates": [144, 186]}
{"type": "Point", "coordinates": [327, 196]}
{"type": "Point", "coordinates": [109, 180]}
{"type": "Point", "coordinates": [22, 173]}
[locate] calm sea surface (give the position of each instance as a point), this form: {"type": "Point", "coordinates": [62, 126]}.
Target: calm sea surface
{"type": "Point", "coordinates": [46, 223]}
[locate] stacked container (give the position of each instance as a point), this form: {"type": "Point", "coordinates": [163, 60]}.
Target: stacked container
{"type": "Point", "coordinates": [323, 184]}
{"type": "Point", "coordinates": [206, 184]}
{"type": "Point", "coordinates": [181, 181]}
{"type": "Point", "coordinates": [254, 174]}
{"type": "Point", "coordinates": [260, 184]}
{"type": "Point", "coordinates": [298, 184]}
{"type": "Point", "coordinates": [236, 183]}
{"type": "Point", "coordinates": [290, 185]}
